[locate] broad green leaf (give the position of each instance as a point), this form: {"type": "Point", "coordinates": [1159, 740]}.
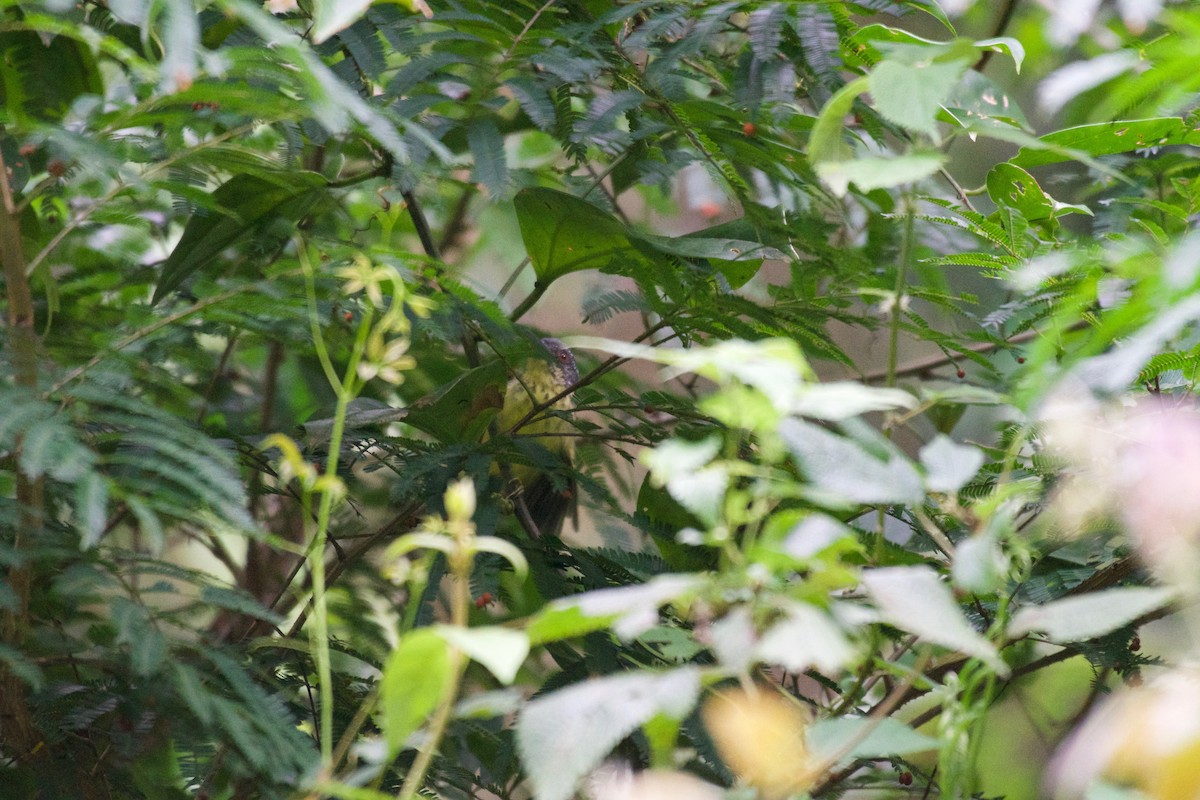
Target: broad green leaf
{"type": "Point", "coordinates": [978, 564]}
{"type": "Point", "coordinates": [415, 680]}
{"type": "Point", "coordinates": [462, 410]}
{"type": "Point", "coordinates": [1009, 185]}
{"type": "Point", "coordinates": [805, 638]}
{"type": "Point", "coordinates": [1106, 138]}
{"type": "Point", "coordinates": [1078, 619]}
{"type": "Point", "coordinates": [826, 146]}
{"type": "Point", "coordinates": [634, 606]}
{"type": "Point", "coordinates": [879, 172]}
{"type": "Point", "coordinates": [684, 469]}
{"type": "Point", "coordinates": [564, 234]}
{"type": "Point", "coordinates": [1007, 45]}
{"type": "Point", "coordinates": [977, 99]}
{"type": "Point", "coordinates": [501, 650]}
{"type": "Point", "coordinates": [565, 735]}
{"type": "Point", "coordinates": [949, 465]}
{"type": "Point", "coordinates": [916, 600]}
{"type": "Point", "coordinates": [842, 472]}
{"type": "Point", "coordinates": [911, 95]}
{"type": "Point", "coordinates": [486, 705]}
{"type": "Point", "coordinates": [839, 400]}
{"type": "Point", "coordinates": [844, 737]}
{"type": "Point", "coordinates": [331, 16]}
{"type": "Point", "coordinates": [244, 203]}
{"type": "Point", "coordinates": [696, 246]}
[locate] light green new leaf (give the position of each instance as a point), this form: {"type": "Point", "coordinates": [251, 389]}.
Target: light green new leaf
{"type": "Point", "coordinates": [1078, 619]}
{"type": "Point", "coordinates": [501, 650]}
{"type": "Point", "coordinates": [949, 465]}
{"type": "Point", "coordinates": [565, 735]}
{"type": "Point", "coordinates": [911, 95]}
{"type": "Point", "coordinates": [331, 16]}
{"type": "Point", "coordinates": [415, 679]}
{"type": "Point", "coordinates": [841, 471]}
{"type": "Point", "coordinates": [916, 600]}
{"type": "Point", "coordinates": [596, 610]}
{"type": "Point", "coordinates": [883, 738]}
{"type": "Point", "coordinates": [880, 172]}
{"type": "Point", "coordinates": [804, 639]}
{"type": "Point", "coordinates": [826, 146]}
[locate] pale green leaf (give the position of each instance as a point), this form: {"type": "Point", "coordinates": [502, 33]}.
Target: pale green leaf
{"type": "Point", "coordinates": [949, 465]}
{"type": "Point", "coordinates": [501, 650]}
{"type": "Point", "coordinates": [416, 678]}
{"type": "Point", "coordinates": [916, 600]}
{"type": "Point", "coordinates": [1078, 619]}
{"type": "Point", "coordinates": [565, 735]}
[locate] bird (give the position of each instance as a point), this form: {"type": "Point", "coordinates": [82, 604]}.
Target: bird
{"type": "Point", "coordinates": [546, 487]}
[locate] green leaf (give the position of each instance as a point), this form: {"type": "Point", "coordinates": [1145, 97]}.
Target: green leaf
{"type": "Point", "coordinates": [911, 95]}
{"type": "Point", "coordinates": [842, 471]}
{"type": "Point", "coordinates": [244, 203]}
{"type": "Point", "coordinates": [977, 99]}
{"type": "Point", "coordinates": [826, 146]}
{"type": "Point", "coordinates": [1078, 619]}
{"type": "Point", "coordinates": [1009, 185]}
{"type": "Point", "coordinates": [886, 737]}
{"type": "Point", "coordinates": [915, 599]}
{"type": "Point", "coordinates": [696, 246]}
{"type": "Point", "coordinates": [1107, 138]}
{"type": "Point", "coordinates": [880, 172]}
{"type": "Point", "coordinates": [487, 148]}
{"type": "Point", "coordinates": [331, 16]}
{"type": "Point", "coordinates": [1005, 44]}
{"type": "Point", "coordinates": [565, 735]}
{"type": "Point", "coordinates": [416, 678]}
{"type": "Point", "coordinates": [949, 465]}
{"type": "Point", "coordinates": [633, 609]}
{"type": "Point", "coordinates": [564, 234]}
{"type": "Point", "coordinates": [41, 77]}
{"type": "Point", "coordinates": [501, 650]}
{"type": "Point", "coordinates": [805, 638]}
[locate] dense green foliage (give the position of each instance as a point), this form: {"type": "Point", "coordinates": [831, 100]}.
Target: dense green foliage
{"type": "Point", "coordinates": [258, 532]}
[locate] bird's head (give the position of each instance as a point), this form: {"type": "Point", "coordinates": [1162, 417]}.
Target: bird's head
{"type": "Point", "coordinates": [563, 360]}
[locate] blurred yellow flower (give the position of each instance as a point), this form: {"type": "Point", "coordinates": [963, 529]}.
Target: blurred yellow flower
{"type": "Point", "coordinates": [760, 736]}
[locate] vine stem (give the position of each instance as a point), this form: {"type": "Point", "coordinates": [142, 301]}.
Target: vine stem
{"type": "Point", "coordinates": [345, 390]}
{"type": "Point", "coordinates": [897, 314]}
{"type": "Point", "coordinates": [460, 601]}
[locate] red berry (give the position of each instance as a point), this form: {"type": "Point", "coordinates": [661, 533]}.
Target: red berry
{"type": "Point", "coordinates": [962, 373]}
{"type": "Point", "coordinates": [906, 778]}
{"type": "Point", "coordinates": [1135, 644]}
{"type": "Point", "coordinates": [649, 409]}
{"type": "Point", "coordinates": [347, 316]}
{"type": "Point", "coordinates": [1020, 359]}
{"type": "Point", "coordinates": [749, 129]}
{"type": "Point", "coordinates": [57, 168]}
{"type": "Point", "coordinates": [485, 599]}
